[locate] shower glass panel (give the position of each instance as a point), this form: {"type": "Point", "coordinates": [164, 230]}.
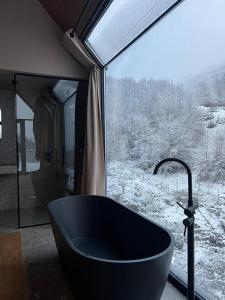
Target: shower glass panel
{"type": "Point", "coordinates": [32, 164]}
{"type": "Point", "coordinates": [46, 144]}
{"type": "Point", "coordinates": [26, 147]}
{"type": "Point", "coordinates": [69, 162]}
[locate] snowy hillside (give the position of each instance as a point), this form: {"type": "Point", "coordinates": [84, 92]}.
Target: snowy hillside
{"type": "Point", "coordinates": [206, 76]}
{"type": "Point", "coordinates": [150, 120]}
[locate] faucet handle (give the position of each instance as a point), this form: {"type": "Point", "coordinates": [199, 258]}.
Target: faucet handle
{"type": "Point", "coordinates": [185, 229]}
{"type": "Point", "coordinates": [188, 222]}
{"type": "Point", "coordinates": [180, 205]}
{"type": "Point", "coordinates": [190, 210]}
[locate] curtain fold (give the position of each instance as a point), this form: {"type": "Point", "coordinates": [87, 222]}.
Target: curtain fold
{"type": "Point", "coordinates": [93, 176]}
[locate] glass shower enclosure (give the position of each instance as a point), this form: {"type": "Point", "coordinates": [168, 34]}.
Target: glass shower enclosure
{"type": "Point", "coordinates": [45, 118]}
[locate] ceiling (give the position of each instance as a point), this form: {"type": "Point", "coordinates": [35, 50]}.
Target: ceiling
{"type": "Point", "coordinates": [66, 13]}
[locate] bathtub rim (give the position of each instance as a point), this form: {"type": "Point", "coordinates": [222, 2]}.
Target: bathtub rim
{"type": "Point", "coordinates": [112, 261]}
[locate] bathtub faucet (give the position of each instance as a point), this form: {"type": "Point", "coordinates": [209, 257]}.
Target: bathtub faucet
{"type": "Point", "coordinates": [188, 222]}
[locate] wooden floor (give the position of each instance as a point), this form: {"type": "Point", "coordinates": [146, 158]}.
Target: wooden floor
{"type": "Point", "coordinates": [12, 277]}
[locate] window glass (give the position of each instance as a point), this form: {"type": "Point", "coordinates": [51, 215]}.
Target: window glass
{"type": "Point", "coordinates": [123, 21]}
{"type": "Point", "coordinates": [64, 89]}
{"type": "Point", "coordinates": [165, 97]}
{"type": "Point", "coordinates": [23, 110]}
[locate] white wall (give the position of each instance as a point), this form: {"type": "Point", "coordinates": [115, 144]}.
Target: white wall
{"type": "Point", "coordinates": [30, 41]}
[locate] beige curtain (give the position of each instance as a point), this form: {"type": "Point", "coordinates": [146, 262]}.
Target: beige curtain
{"type": "Point", "coordinates": [93, 178]}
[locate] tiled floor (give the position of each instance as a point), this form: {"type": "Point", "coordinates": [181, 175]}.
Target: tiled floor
{"type": "Point", "coordinates": [170, 293]}
{"type": "Point", "coordinates": [45, 279]}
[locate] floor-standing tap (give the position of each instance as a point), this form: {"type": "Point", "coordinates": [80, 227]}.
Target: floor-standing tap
{"type": "Point", "coordinates": [188, 222]}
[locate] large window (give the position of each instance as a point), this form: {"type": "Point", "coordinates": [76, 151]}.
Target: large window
{"type": "Point", "coordinates": [165, 97]}
{"type": "Point", "coordinates": [123, 21]}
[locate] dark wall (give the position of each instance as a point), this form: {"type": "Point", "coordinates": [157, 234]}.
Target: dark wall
{"type": "Point", "coordinates": [8, 177]}
{"type": "Point", "coordinates": [8, 141]}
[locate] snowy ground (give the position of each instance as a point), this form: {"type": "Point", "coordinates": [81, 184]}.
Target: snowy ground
{"type": "Point", "coordinates": [155, 196]}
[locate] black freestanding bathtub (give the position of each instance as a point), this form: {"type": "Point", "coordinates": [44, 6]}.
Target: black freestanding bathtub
{"type": "Point", "coordinates": [109, 252]}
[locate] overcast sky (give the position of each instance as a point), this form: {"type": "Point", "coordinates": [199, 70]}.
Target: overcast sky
{"type": "Point", "coordinates": [190, 40]}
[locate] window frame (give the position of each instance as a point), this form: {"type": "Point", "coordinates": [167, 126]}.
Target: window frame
{"type": "Point", "coordinates": [92, 51]}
